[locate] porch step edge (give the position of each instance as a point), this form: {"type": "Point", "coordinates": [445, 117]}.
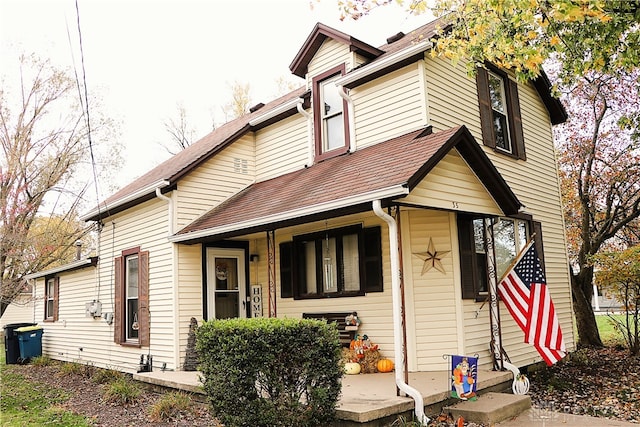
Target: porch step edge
{"type": "Point", "coordinates": [490, 408]}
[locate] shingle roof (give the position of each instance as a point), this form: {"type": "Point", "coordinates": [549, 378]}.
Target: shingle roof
{"type": "Point", "coordinates": [180, 164]}
{"type": "Point", "coordinates": [350, 181]}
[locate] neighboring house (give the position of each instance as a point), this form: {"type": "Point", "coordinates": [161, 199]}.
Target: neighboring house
{"type": "Point", "coordinates": [297, 208]}
{"type": "Point", "coordinates": [604, 302]}
{"type": "Point", "coordinates": [21, 309]}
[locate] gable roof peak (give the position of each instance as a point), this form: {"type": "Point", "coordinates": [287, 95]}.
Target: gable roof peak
{"type": "Point", "coordinates": [315, 39]}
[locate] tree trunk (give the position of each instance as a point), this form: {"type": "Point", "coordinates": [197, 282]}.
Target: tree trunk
{"type": "Point", "coordinates": [582, 287]}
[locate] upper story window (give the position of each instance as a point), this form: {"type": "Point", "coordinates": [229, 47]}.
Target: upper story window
{"type": "Point", "coordinates": [510, 235]}
{"type": "Point", "coordinates": [131, 317]}
{"type": "Point", "coordinates": [51, 293]}
{"type": "Point", "coordinates": [499, 107]}
{"type": "Point", "coordinates": [500, 112]}
{"type": "Point", "coordinates": [330, 115]}
{"type": "Point", "coordinates": [338, 262]}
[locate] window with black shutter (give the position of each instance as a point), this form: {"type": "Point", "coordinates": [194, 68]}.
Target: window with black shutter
{"type": "Point", "coordinates": [333, 263]}
{"type": "Point", "coordinates": [501, 121]}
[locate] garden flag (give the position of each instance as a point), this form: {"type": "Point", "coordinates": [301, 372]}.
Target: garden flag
{"type": "Point", "coordinates": [464, 377]}
{"type": "Point", "coordinates": [525, 293]}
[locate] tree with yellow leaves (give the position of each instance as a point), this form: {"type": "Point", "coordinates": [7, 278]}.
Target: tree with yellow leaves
{"type": "Point", "coordinates": [520, 35]}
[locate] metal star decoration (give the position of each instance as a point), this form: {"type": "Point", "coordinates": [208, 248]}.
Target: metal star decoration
{"type": "Point", "coordinates": [432, 258]}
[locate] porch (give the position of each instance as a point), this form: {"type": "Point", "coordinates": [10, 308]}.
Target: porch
{"type": "Point", "coordinates": [367, 399]}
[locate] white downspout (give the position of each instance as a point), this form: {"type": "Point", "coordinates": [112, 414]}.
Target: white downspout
{"type": "Point", "coordinates": [309, 117]}
{"type": "Point", "coordinates": [169, 200]}
{"type": "Point", "coordinates": [352, 118]}
{"type": "Point", "coordinates": [397, 319]}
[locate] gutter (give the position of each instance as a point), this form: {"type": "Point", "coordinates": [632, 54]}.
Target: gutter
{"type": "Point", "coordinates": [352, 117]}
{"type": "Point", "coordinates": [169, 201]}
{"type": "Point", "coordinates": [67, 267]}
{"type": "Point", "coordinates": [309, 117]}
{"type": "Point", "coordinates": [128, 198]}
{"type": "Point", "coordinates": [397, 314]}
{"type": "Point", "coordinates": [380, 65]}
{"type": "Point", "coordinates": [280, 109]}
{"type": "Point", "coordinates": [395, 191]}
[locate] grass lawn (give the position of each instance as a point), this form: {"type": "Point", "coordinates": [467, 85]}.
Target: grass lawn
{"type": "Point", "coordinates": [24, 403]}
{"type": "Point", "coordinates": [609, 335]}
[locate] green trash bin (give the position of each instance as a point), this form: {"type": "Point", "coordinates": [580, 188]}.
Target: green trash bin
{"type": "Point", "coordinates": [11, 344]}
{"type": "Point", "coordinates": [30, 342]}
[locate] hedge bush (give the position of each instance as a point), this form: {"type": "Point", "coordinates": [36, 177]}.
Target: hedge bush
{"type": "Point", "coordinates": [270, 372]}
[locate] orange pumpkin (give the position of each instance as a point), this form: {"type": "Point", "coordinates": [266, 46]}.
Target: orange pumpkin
{"type": "Point", "coordinates": [385, 365]}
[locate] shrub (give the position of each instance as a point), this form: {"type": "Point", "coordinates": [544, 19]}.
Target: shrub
{"type": "Point", "coordinates": [271, 372]}
{"type": "Point", "coordinates": [121, 391]}
{"type": "Point", "coordinates": [102, 376]}
{"type": "Point", "coordinates": [70, 368]}
{"type": "Point", "coordinates": [76, 368]}
{"type": "Point", "coordinates": [41, 361]}
{"type": "Point", "coordinates": [170, 406]}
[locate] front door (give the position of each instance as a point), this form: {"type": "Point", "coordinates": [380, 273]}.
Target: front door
{"type": "Point", "coordinates": [226, 283]}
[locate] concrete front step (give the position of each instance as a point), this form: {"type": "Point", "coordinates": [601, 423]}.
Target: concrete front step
{"type": "Point", "coordinates": [490, 408]}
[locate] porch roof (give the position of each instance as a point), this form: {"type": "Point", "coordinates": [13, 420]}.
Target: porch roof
{"type": "Point", "coordinates": [346, 184]}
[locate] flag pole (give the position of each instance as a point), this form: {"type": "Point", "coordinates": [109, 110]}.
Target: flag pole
{"type": "Point", "coordinates": [517, 258]}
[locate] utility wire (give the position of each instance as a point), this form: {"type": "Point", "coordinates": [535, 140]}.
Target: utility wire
{"type": "Point", "coordinates": [86, 108]}
{"type": "Point", "coordinates": [84, 103]}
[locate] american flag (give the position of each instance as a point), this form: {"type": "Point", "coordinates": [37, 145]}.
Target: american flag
{"type": "Point", "coordinates": [525, 293]}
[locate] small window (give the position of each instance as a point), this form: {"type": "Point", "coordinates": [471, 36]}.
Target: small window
{"type": "Point", "coordinates": [51, 299]}
{"type": "Point", "coordinates": [500, 116]}
{"type": "Point", "coordinates": [131, 314]}
{"type": "Point", "coordinates": [131, 296]}
{"type": "Point", "coordinates": [337, 262]}
{"type": "Point", "coordinates": [330, 115]}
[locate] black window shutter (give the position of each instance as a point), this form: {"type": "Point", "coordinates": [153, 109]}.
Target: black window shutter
{"type": "Point", "coordinates": [286, 270]}
{"type": "Point", "coordinates": [467, 252]}
{"type": "Point", "coordinates": [486, 113]}
{"type": "Point", "coordinates": [537, 228]}
{"type": "Point", "coordinates": [372, 260]}
{"type": "Point", "coordinates": [515, 120]}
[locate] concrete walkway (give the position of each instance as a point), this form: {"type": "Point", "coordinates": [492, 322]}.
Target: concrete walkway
{"type": "Point", "coordinates": [365, 397]}
{"type": "Point", "coordinates": [369, 397]}
{"type": "Point", "coordinates": [540, 418]}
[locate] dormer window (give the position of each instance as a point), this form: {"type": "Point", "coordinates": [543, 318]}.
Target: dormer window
{"type": "Point", "coordinates": [330, 115]}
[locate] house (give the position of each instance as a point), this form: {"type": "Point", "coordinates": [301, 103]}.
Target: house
{"type": "Point", "coordinates": [373, 188]}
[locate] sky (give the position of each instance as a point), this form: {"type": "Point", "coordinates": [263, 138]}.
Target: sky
{"type": "Point", "coordinates": [143, 58]}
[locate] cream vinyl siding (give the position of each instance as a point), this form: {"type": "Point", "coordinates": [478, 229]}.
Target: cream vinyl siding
{"type": "Point", "coordinates": [189, 290]}
{"type": "Point", "coordinates": [453, 185]}
{"type": "Point", "coordinates": [282, 148]}
{"type": "Point", "coordinates": [329, 55]}
{"type": "Point", "coordinates": [431, 301]}
{"type": "Point", "coordinates": [215, 180]}
{"type": "Point", "coordinates": [144, 226]}
{"type": "Point", "coordinates": [390, 106]}
{"type": "Point", "coordinates": [534, 181]}
{"type": "Point", "coordinates": [452, 95]}
{"type": "Point", "coordinates": [374, 309]}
